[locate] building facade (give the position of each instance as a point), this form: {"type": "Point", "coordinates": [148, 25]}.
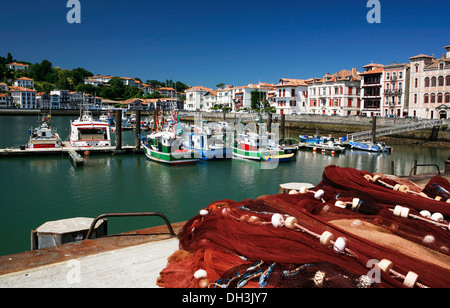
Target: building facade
{"type": "Point", "coordinates": [337, 94]}
{"type": "Point", "coordinates": [395, 94]}
{"type": "Point", "coordinates": [24, 98]}
{"type": "Point", "coordinates": [290, 96]}
{"type": "Point", "coordinates": [24, 82]}
{"type": "Point", "coordinates": [18, 66]}
{"type": "Point", "coordinates": [371, 89]}
{"type": "Point", "coordinates": [195, 98]}
{"type": "Point", "coordinates": [430, 86]}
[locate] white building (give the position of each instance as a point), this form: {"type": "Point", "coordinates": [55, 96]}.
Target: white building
{"type": "Point", "coordinates": [6, 100]}
{"type": "Point", "coordinates": [24, 98]}
{"type": "Point", "coordinates": [195, 99]}
{"type": "Point", "coordinates": [242, 95]}
{"type": "Point", "coordinates": [290, 96]}
{"type": "Point", "coordinates": [225, 97]}
{"type": "Point", "coordinates": [337, 94]}
{"type": "Point", "coordinates": [24, 82]}
{"type": "Point", "coordinates": [18, 66]}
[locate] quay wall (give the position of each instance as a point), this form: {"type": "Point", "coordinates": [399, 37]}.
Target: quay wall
{"type": "Point", "coordinates": [305, 123]}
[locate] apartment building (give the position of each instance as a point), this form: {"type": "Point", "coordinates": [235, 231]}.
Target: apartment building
{"type": "Point", "coordinates": [24, 82]}
{"type": "Point", "coordinates": [290, 96]}
{"type": "Point", "coordinates": [430, 86]}
{"type": "Point", "coordinates": [336, 94]}
{"type": "Point", "coordinates": [23, 97]}
{"type": "Point", "coordinates": [371, 89]}
{"type": "Point", "coordinates": [195, 98]}
{"type": "Point", "coordinates": [395, 95]}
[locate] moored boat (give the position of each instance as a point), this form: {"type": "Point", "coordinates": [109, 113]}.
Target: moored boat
{"type": "Point", "coordinates": [369, 146]}
{"type": "Point", "coordinates": [284, 158]}
{"type": "Point", "coordinates": [87, 132]}
{"type": "Point", "coordinates": [254, 146]}
{"type": "Point", "coordinates": [44, 136]}
{"type": "Point", "coordinates": [165, 146]}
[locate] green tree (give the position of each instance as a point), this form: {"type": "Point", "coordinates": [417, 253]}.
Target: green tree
{"type": "Point", "coordinates": [257, 97]}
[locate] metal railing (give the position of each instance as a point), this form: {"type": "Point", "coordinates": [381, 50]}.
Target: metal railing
{"type": "Point", "coordinates": [91, 229]}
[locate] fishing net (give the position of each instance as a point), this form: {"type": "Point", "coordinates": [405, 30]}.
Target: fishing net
{"type": "Point", "coordinates": [354, 229]}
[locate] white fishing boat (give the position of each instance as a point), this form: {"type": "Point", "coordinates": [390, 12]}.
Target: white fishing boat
{"type": "Point", "coordinates": [44, 136]}
{"type": "Point", "coordinates": [211, 141]}
{"type": "Point", "coordinates": [88, 132]}
{"type": "Point", "coordinates": [254, 146]}
{"type": "Point", "coordinates": [165, 146]}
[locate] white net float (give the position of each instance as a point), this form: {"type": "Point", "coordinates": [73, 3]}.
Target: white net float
{"type": "Point", "coordinates": [290, 222]}
{"type": "Point", "coordinates": [355, 203]}
{"type": "Point", "coordinates": [425, 214]}
{"type": "Point", "coordinates": [437, 217]}
{"type": "Point", "coordinates": [326, 238]}
{"type": "Point", "coordinates": [303, 190]}
{"type": "Point", "coordinates": [368, 177]}
{"type": "Point", "coordinates": [403, 188]}
{"type": "Point", "coordinates": [201, 273]}
{"type": "Point", "coordinates": [340, 204]}
{"type": "Point", "coordinates": [397, 187]}
{"type": "Point", "coordinates": [410, 280]}
{"type": "Point", "coordinates": [203, 212]}
{"type": "Point", "coordinates": [340, 244]}
{"type": "Point", "coordinates": [398, 210]}
{"type": "Point", "coordinates": [405, 212]}
{"type": "Point", "coordinates": [319, 194]}
{"type": "Point", "coordinates": [293, 192]}
{"type": "Point", "coordinates": [277, 220]}
{"type": "Point", "coordinates": [385, 265]}
{"type": "Point", "coordinates": [376, 177]}
{"type": "Point", "coordinates": [203, 283]}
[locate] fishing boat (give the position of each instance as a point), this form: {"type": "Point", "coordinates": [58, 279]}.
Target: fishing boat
{"type": "Point", "coordinates": [284, 158]}
{"type": "Point", "coordinates": [254, 146]}
{"type": "Point", "coordinates": [44, 136]}
{"type": "Point", "coordinates": [164, 144]}
{"type": "Point", "coordinates": [310, 139]}
{"type": "Point", "coordinates": [88, 132]}
{"type": "Point", "coordinates": [211, 141]}
{"type": "Point", "coordinates": [369, 146]}
{"type": "Point", "coordinates": [328, 146]}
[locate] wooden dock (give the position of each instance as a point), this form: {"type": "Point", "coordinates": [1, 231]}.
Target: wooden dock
{"type": "Point", "coordinates": [65, 150]}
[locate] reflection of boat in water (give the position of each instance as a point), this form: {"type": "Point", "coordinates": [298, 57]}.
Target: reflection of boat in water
{"type": "Point", "coordinates": [369, 146]}
{"type": "Point", "coordinates": [284, 158]}
{"type": "Point", "coordinates": [44, 136]}
{"type": "Point", "coordinates": [329, 146]}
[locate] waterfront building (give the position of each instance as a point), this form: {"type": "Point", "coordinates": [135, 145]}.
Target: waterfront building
{"type": "Point", "coordinates": [195, 98]}
{"type": "Point", "coordinates": [242, 95]}
{"type": "Point", "coordinates": [371, 89]}
{"type": "Point", "coordinates": [168, 91]}
{"type": "Point", "coordinates": [290, 96]}
{"type": "Point", "coordinates": [18, 66]}
{"type": "Point", "coordinates": [23, 98]}
{"type": "Point", "coordinates": [225, 96]}
{"type": "Point", "coordinates": [395, 94]}
{"type": "Point", "coordinates": [64, 98]}
{"type": "Point", "coordinates": [430, 86]}
{"type": "Point", "coordinates": [24, 82]}
{"type": "Point", "coordinates": [336, 94]}
{"type": "Point", "coordinates": [6, 101]}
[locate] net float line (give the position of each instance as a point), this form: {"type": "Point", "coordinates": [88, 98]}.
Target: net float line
{"type": "Point", "coordinates": [327, 239]}
{"type": "Point", "coordinates": [435, 219]}
{"type": "Point", "coordinates": [397, 187]}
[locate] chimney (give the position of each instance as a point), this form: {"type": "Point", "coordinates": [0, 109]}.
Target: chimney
{"type": "Point", "coordinates": [448, 51]}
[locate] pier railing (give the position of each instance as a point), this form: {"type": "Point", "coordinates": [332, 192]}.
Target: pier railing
{"type": "Point", "coordinates": [367, 135]}
{"type": "Point", "coordinates": [94, 222]}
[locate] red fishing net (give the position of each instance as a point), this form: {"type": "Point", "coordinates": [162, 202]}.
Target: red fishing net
{"type": "Point", "coordinates": [355, 229]}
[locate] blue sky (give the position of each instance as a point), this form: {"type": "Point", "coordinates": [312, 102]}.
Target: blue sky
{"type": "Point", "coordinates": [208, 42]}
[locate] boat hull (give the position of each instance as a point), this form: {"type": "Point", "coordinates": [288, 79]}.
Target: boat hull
{"type": "Point", "coordinates": [255, 155]}
{"type": "Point", "coordinates": [225, 153]}
{"type": "Point", "coordinates": [179, 158]}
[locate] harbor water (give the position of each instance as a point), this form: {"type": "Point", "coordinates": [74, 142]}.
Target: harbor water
{"type": "Point", "coordinates": [35, 190]}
